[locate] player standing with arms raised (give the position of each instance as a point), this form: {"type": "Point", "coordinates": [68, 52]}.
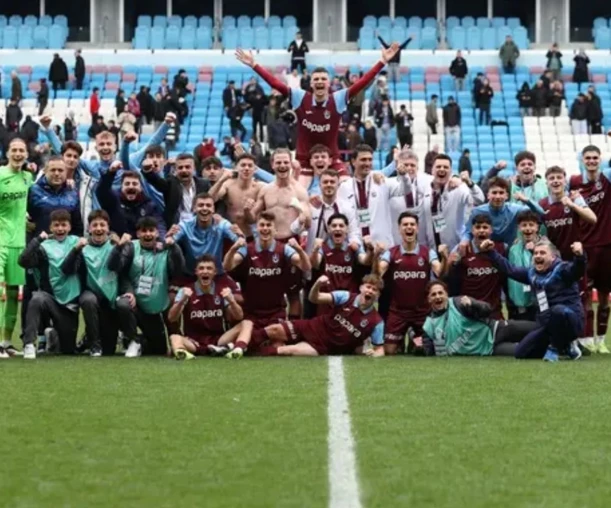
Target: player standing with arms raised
{"type": "Point", "coordinates": [14, 185]}
{"type": "Point", "coordinates": [318, 112]}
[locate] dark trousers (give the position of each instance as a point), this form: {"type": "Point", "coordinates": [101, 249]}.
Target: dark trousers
{"type": "Point", "coordinates": [154, 340]}
{"type": "Point", "coordinates": [508, 334]}
{"type": "Point", "coordinates": [558, 328]}
{"type": "Point", "coordinates": [521, 313]}
{"type": "Point", "coordinates": [509, 68]}
{"type": "Point", "coordinates": [257, 124]}
{"type": "Point", "coordinates": [405, 138]}
{"type": "Point", "coordinates": [102, 322]}
{"type": "Point", "coordinates": [596, 127]}
{"type": "Point", "coordinates": [41, 106]}
{"type": "Point", "coordinates": [238, 127]}
{"type": "Point", "coordinates": [298, 64]}
{"type": "Point", "coordinates": [42, 308]}
{"type": "Point", "coordinates": [79, 83]}
{"type": "Point", "coordinates": [433, 127]}
{"type": "Point", "coordinates": [484, 114]}
{"type": "Point", "coordinates": [28, 291]}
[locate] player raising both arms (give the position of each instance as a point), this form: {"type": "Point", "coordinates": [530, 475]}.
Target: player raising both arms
{"type": "Point", "coordinates": [319, 111]}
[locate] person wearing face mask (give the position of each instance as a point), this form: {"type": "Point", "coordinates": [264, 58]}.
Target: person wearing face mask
{"type": "Point", "coordinates": [554, 283]}
{"type": "Point", "coordinates": [149, 266]}
{"type": "Point", "coordinates": [130, 204]}
{"type": "Point", "coordinates": [526, 182]}
{"type": "Point", "coordinates": [298, 49]}
{"type": "Point", "coordinates": [58, 294]}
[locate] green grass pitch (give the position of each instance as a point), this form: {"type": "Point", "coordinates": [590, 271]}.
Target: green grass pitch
{"type": "Point", "coordinates": [456, 432]}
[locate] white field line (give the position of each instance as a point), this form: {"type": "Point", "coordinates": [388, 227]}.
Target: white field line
{"type": "Point", "coordinates": [343, 480]}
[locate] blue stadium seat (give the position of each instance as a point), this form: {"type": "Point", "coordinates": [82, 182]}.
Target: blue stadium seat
{"type": "Point", "coordinates": [474, 38]}
{"type": "Point", "coordinates": [384, 22]}
{"type": "Point", "coordinates": [206, 21]}
{"type": "Point", "coordinates": [513, 23]}
{"type": "Point", "coordinates": [3, 21]}
{"type": "Point", "coordinates": [40, 37]}
{"type": "Point", "coordinates": [366, 38]}
{"type": "Point", "coordinates": [10, 38]}
{"type": "Point", "coordinates": [57, 36]}
{"type": "Point", "coordinates": [25, 37]}
{"type": "Point", "coordinates": [172, 37]}
{"type": "Point", "coordinates": [452, 22]}
{"type": "Point", "coordinates": [30, 20]}
{"type": "Point", "coordinates": [276, 37]}
{"type": "Point", "coordinates": [501, 33]}
{"type": "Point", "coordinates": [61, 20]}
{"type": "Point", "coordinates": [258, 21]}
{"type": "Point", "coordinates": [15, 21]}
{"type": "Point", "coordinates": [482, 22]}
{"type": "Point", "coordinates": [457, 38]}
{"type": "Point", "coordinates": [289, 21]}
{"type": "Point", "coordinates": [229, 22]}
{"type": "Point", "coordinates": [261, 37]}
{"type": "Point", "coordinates": [397, 33]}
{"type": "Point", "coordinates": [384, 32]}
{"type": "Point", "coordinates": [274, 21]}
{"type": "Point", "coordinates": [230, 37]}
{"type": "Point", "coordinates": [145, 21]}
{"type": "Point", "coordinates": [414, 22]}
{"type": "Point", "coordinates": [160, 21]}
{"type": "Point", "coordinates": [468, 21]}
{"type": "Point", "coordinates": [187, 37]}
{"type": "Point", "coordinates": [246, 37]}
{"type": "Point", "coordinates": [430, 22]}
{"type": "Point", "coordinates": [400, 21]}
{"type": "Point", "coordinates": [602, 38]}
{"type": "Point", "coordinates": [157, 37]}
{"type": "Point", "coordinates": [142, 37]}
{"type": "Point", "coordinates": [370, 21]}
{"type": "Point", "coordinates": [520, 37]}
{"type": "Point", "coordinates": [190, 21]}
{"type": "Point", "coordinates": [289, 34]}
{"type": "Point", "coordinates": [428, 38]}
{"type": "Point", "coordinates": [175, 21]}
{"type": "Point", "coordinates": [600, 22]}
{"type": "Point", "coordinates": [244, 21]}
{"type": "Point", "coordinates": [498, 21]}
{"type": "Point", "coordinates": [489, 38]}
{"type": "Point", "coordinates": [203, 37]}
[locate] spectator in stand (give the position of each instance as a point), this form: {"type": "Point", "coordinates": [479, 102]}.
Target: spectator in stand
{"type": "Point", "coordinates": [595, 111]}
{"type": "Point", "coordinates": [58, 73]}
{"type": "Point", "coordinates": [547, 79]}
{"type": "Point", "coordinates": [94, 104]}
{"type": "Point", "coordinates": [581, 73]}
{"type": "Point", "coordinates": [133, 106]}
{"type": "Point", "coordinates": [336, 84]}
{"type": "Point", "coordinates": [509, 54]}
{"type": "Point", "coordinates": [485, 98]}
{"type": "Point", "coordinates": [379, 90]}
{"type": "Point", "coordinates": [451, 122]}
{"type": "Point", "coordinates": [271, 112]}
{"type": "Point", "coordinates": [355, 104]}
{"type": "Point", "coordinates": [431, 114]}
{"type": "Point", "coordinates": [202, 152]}
{"type": "Point", "coordinates": [305, 80]}
{"type": "Point", "coordinates": [579, 115]}
{"type": "Point", "coordinates": [385, 121]}
{"type": "Point", "coordinates": [127, 121]}
{"type": "Point", "coordinates": [298, 48]}
{"type": "Point", "coordinates": [403, 121]}
{"type": "Point", "coordinates": [181, 83]}
{"type": "Point", "coordinates": [70, 127]}
{"type": "Point", "coordinates": [540, 98]}
{"type": "Point", "coordinates": [394, 64]}
{"type": "Point", "coordinates": [16, 88]}
{"type": "Point", "coordinates": [255, 148]}
{"type": "Point", "coordinates": [292, 79]}
{"type": "Point", "coordinates": [464, 163]}
{"type": "Point", "coordinates": [353, 137]}
{"type": "Point", "coordinates": [172, 136]}
{"type": "Point", "coordinates": [43, 96]}
{"type": "Point", "coordinates": [554, 61]}
{"type": "Point", "coordinates": [29, 133]}
{"type": "Point", "coordinates": [235, 121]}
{"type": "Point", "coordinates": [114, 130]}
{"type": "Point", "coordinates": [120, 101]}
{"type": "Point", "coordinates": [478, 82]}
{"type": "Point", "coordinates": [556, 97]}
{"type": "Point", "coordinates": [79, 69]}
{"type": "Point", "coordinates": [160, 108]}
{"type": "Point", "coordinates": [429, 159]}
{"type": "Point", "coordinates": [278, 134]}
{"type": "Point", "coordinates": [251, 90]}
{"type": "Point", "coordinates": [146, 105]}
{"type": "Point", "coordinates": [231, 97]}
{"type": "Point", "coordinates": [257, 104]}
{"type": "Point", "coordinates": [228, 149]}
{"type": "Point", "coordinates": [392, 155]}
{"type": "Point", "coordinates": [164, 89]}
{"type": "Point", "coordinates": [370, 136]}
{"type": "Point", "coordinates": [524, 97]}
{"type": "Point", "coordinates": [13, 116]}
{"type": "Point", "coordinates": [97, 126]}
{"type": "Point", "coordinates": [459, 70]}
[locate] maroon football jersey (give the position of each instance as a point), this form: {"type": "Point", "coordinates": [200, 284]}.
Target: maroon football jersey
{"type": "Point", "coordinates": [345, 329]}
{"type": "Point", "coordinates": [204, 313]}
{"type": "Point", "coordinates": [563, 226]}
{"type": "Point", "coordinates": [480, 279]}
{"type": "Point", "coordinates": [267, 277]}
{"type": "Point", "coordinates": [597, 195]}
{"type": "Point", "coordinates": [339, 265]}
{"type": "Point", "coordinates": [408, 274]}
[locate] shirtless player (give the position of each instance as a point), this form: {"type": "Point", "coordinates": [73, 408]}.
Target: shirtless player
{"type": "Point", "coordinates": [236, 189]}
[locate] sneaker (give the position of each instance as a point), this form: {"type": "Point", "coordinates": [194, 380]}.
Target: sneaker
{"type": "Point", "coordinates": [574, 351]}
{"type": "Point", "coordinates": [52, 339]}
{"type": "Point", "coordinates": [95, 352]}
{"type": "Point", "coordinates": [29, 352]}
{"type": "Point", "coordinates": [551, 355]}
{"type": "Point", "coordinates": [601, 348]}
{"type": "Point", "coordinates": [11, 351]}
{"type": "Point", "coordinates": [183, 354]}
{"type": "Point", "coordinates": [218, 350]}
{"type": "Point", "coordinates": [82, 346]}
{"type": "Point", "coordinates": [235, 354]}
{"type": "Point", "coordinates": [3, 354]}
{"type": "Point", "coordinates": [134, 350]}
{"type": "Point", "coordinates": [588, 344]}
{"type": "Point", "coordinates": [42, 345]}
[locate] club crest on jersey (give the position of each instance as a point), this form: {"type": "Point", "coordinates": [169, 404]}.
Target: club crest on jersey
{"type": "Point", "coordinates": [347, 257]}
{"type": "Point", "coordinates": [599, 185]}
{"type": "Point", "coordinates": [275, 259]}
{"type": "Point", "coordinates": [567, 210]}
{"type": "Point", "coordinates": [217, 300]}
{"type": "Point", "coordinates": [364, 323]}
{"type": "Point", "coordinates": [327, 114]}
{"type": "Point", "coordinates": [420, 262]}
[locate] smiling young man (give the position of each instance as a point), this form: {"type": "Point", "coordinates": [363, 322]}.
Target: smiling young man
{"type": "Point", "coordinates": [14, 185]}
{"type": "Point", "coordinates": [206, 306]}
{"type": "Point", "coordinates": [595, 187]}
{"type": "Point", "coordinates": [526, 182]}
{"type": "Point", "coordinates": [57, 297]}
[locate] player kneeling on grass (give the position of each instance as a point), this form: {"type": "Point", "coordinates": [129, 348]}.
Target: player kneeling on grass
{"type": "Point", "coordinates": [148, 265]}
{"type": "Point", "coordinates": [58, 294]}
{"type": "Point", "coordinates": [554, 282]}
{"type": "Point", "coordinates": [343, 331]}
{"type": "Point", "coordinates": [99, 273]}
{"type": "Point", "coordinates": [462, 326]}
{"type": "Point", "coordinates": [206, 306]}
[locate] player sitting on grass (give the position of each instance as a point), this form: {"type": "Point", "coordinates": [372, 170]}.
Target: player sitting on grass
{"type": "Point", "coordinates": [554, 282]}
{"type": "Point", "coordinates": [206, 306]}
{"type": "Point", "coordinates": [57, 297]}
{"type": "Point", "coordinates": [343, 331]}
{"type": "Point", "coordinates": [463, 326]}
{"type": "Point", "coordinates": [148, 265]}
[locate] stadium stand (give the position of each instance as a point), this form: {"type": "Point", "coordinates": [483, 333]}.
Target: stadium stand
{"type": "Point", "coordinates": [32, 32]}
{"type": "Point", "coordinates": [602, 33]}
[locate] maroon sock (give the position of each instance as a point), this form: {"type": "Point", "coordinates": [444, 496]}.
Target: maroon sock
{"type": "Point", "coordinates": [602, 320]}
{"type": "Point", "coordinates": [589, 329]}
{"type": "Point", "coordinates": [242, 345]}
